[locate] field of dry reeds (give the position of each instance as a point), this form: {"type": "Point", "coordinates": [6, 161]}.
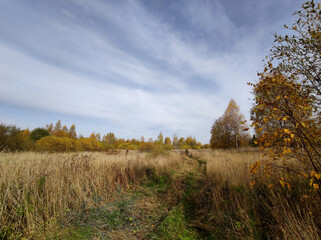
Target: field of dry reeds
{"type": "Point", "coordinates": [199, 195]}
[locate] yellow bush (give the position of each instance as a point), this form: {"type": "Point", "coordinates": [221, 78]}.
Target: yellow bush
{"type": "Point", "coordinates": [146, 146]}
{"type": "Point", "coordinates": [57, 144]}
{"type": "Point", "coordinates": [132, 147]}
{"type": "Point", "coordinates": [90, 144]}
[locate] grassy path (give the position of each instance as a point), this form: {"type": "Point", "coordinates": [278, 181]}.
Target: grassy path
{"type": "Point", "coordinates": [163, 207]}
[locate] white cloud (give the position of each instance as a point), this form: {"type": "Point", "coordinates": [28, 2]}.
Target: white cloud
{"type": "Point", "coordinates": [118, 62]}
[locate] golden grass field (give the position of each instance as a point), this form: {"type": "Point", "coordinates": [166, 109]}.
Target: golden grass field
{"type": "Point", "coordinates": [202, 195]}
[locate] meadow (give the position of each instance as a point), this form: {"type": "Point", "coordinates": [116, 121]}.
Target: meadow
{"type": "Point", "coordinates": [202, 194]}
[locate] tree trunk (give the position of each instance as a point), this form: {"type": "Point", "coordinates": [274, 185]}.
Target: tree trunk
{"type": "Point", "coordinates": [236, 142]}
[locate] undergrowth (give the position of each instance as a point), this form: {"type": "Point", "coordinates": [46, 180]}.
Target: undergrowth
{"type": "Point", "coordinates": [198, 195]}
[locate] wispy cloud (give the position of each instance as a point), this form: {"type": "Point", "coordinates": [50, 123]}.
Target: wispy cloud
{"type": "Point", "coordinates": [140, 67]}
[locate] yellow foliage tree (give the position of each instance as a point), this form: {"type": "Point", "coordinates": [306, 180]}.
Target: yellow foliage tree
{"type": "Point", "coordinates": [228, 131]}
{"type": "Point", "coordinates": [286, 113]}
{"type": "Point", "coordinates": [168, 141]}
{"type": "Point", "coordinates": [72, 132]}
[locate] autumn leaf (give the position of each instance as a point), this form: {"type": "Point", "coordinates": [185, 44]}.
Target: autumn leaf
{"type": "Point", "coordinates": [287, 131]}
{"type": "Point", "coordinates": [282, 182]}
{"type": "Point", "coordinates": [270, 186]}
{"type": "Point", "coordinates": [270, 65]}
{"type": "Point", "coordinates": [254, 167]}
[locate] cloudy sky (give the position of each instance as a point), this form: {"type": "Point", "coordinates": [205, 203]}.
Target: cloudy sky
{"type": "Point", "coordinates": [133, 67]}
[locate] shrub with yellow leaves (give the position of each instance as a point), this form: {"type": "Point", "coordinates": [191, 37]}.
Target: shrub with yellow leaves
{"type": "Point", "coordinates": [57, 144]}
{"type": "Point", "coordinates": [286, 113]}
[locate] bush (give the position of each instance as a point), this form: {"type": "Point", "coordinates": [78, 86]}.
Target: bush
{"type": "Point", "coordinates": [146, 147]}
{"type": "Point", "coordinates": [39, 133]}
{"type": "Point", "coordinates": [90, 144]}
{"type": "Point", "coordinates": [132, 147]}
{"type": "Point", "coordinates": [168, 147]}
{"type": "Point", "coordinates": [13, 139]}
{"type": "Point", "coordinates": [123, 146]}
{"type": "Point", "coordinates": [57, 144]}
{"type": "Point", "coordinates": [110, 146]}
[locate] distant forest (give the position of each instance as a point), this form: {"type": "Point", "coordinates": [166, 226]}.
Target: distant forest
{"type": "Point", "coordinates": [58, 138]}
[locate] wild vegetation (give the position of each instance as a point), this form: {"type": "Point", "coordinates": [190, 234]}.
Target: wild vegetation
{"type": "Point", "coordinates": [61, 139]}
{"type": "Point", "coordinates": [200, 194]}
{"type": "Point", "coordinates": [157, 190]}
{"type": "Point", "coordinates": [286, 113]}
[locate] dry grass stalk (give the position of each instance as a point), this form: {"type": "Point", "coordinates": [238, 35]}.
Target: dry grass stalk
{"type": "Point", "coordinates": [36, 189]}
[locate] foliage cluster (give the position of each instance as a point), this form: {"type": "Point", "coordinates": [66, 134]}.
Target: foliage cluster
{"type": "Point", "coordinates": [12, 138]}
{"type": "Point", "coordinates": [286, 112]}
{"type": "Point", "coordinates": [229, 131]}
{"type": "Point", "coordinates": [58, 138]}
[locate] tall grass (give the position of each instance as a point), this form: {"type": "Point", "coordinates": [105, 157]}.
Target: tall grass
{"type": "Point", "coordinates": [259, 212]}
{"type": "Point", "coordinates": [216, 198]}
{"type": "Point", "coordinates": [37, 188]}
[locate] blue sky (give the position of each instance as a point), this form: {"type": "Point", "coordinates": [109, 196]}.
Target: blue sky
{"type": "Point", "coordinates": [134, 68]}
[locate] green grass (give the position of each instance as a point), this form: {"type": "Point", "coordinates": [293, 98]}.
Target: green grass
{"type": "Point", "coordinates": [175, 226]}
{"type": "Point", "coordinates": [163, 221]}
{"type": "Point", "coordinates": [158, 184]}
{"type": "Point", "coordinates": [79, 233]}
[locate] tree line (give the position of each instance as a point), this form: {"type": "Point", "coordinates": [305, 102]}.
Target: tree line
{"type": "Point", "coordinates": [58, 138]}
{"type": "Point", "coordinates": [228, 131]}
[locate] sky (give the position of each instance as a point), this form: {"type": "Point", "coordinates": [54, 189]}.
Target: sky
{"type": "Point", "coordinates": [135, 68]}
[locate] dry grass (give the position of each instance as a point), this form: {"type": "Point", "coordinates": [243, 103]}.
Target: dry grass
{"type": "Point", "coordinates": [257, 211]}
{"type": "Point", "coordinates": [230, 165]}
{"type": "Point", "coordinates": [38, 189]}
{"type": "Point", "coordinates": [35, 188]}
